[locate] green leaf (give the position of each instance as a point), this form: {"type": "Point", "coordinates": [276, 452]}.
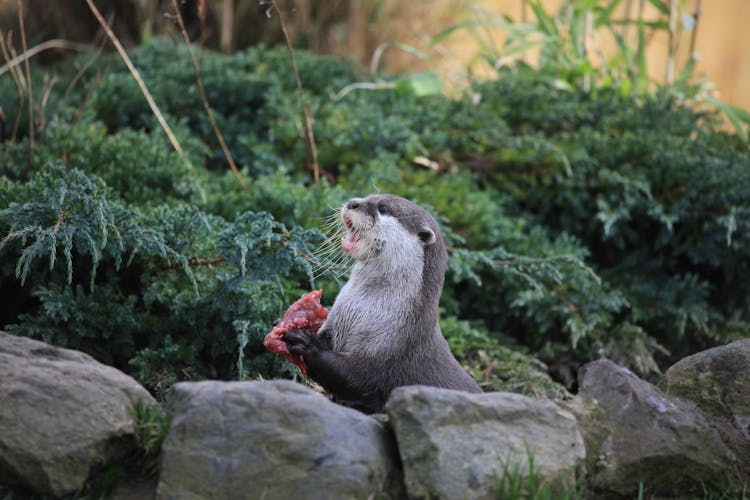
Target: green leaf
{"type": "Point", "coordinates": [522, 47]}
{"type": "Point", "coordinates": [546, 22]}
{"type": "Point", "coordinates": [604, 14]}
{"type": "Point", "coordinates": [642, 76]}
{"type": "Point", "coordinates": [422, 84]}
{"type": "Point", "coordinates": [663, 8]}
{"type": "Point", "coordinates": [735, 115]}
{"type": "Point", "coordinates": [464, 25]}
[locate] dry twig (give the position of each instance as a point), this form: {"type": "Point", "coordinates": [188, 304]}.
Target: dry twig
{"type": "Point", "coordinates": [310, 150]}
{"type": "Point", "coordinates": [57, 43]}
{"type": "Point", "coordinates": [28, 83]}
{"type": "Point", "coordinates": [204, 97]}
{"type": "Point", "coordinates": [99, 47]}
{"type": "Point", "coordinates": [49, 84]}
{"type": "Point", "coordinates": [17, 78]}
{"type": "Point", "coordinates": [141, 83]}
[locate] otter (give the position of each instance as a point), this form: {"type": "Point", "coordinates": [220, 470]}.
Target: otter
{"type": "Point", "coordinates": [382, 331]}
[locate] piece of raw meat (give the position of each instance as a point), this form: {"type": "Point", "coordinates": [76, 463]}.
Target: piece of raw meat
{"type": "Point", "coordinates": [305, 313]}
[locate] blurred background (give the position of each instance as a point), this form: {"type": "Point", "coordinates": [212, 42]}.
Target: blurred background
{"type": "Point", "coordinates": [449, 37]}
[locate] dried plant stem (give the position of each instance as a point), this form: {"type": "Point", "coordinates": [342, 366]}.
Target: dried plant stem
{"type": "Point", "coordinates": [204, 97]}
{"type": "Point", "coordinates": [47, 45]}
{"type": "Point", "coordinates": [141, 84]}
{"type": "Point", "coordinates": [84, 68]}
{"type": "Point", "coordinates": [49, 84]}
{"type": "Point", "coordinates": [28, 83]}
{"type": "Point", "coordinates": [669, 77]}
{"type": "Point", "coordinates": [227, 26]}
{"type": "Point", "coordinates": [361, 86]}
{"type": "Point", "coordinates": [310, 149]}
{"type": "Point", "coordinates": [627, 13]}
{"type": "Point", "coordinates": [588, 29]}
{"type": "Point", "coordinates": [694, 34]}
{"type": "Point", "coordinates": [87, 98]}
{"type": "Point", "coordinates": [18, 79]}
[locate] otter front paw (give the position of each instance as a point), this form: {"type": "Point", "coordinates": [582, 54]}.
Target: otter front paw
{"type": "Point", "coordinates": [301, 341]}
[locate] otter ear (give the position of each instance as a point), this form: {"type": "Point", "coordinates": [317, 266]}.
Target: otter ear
{"type": "Point", "coordinates": [427, 236]}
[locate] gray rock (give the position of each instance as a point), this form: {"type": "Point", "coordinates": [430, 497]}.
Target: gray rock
{"type": "Point", "coordinates": [62, 415]}
{"type": "Point", "coordinates": [273, 439]}
{"type": "Point", "coordinates": [454, 444]}
{"type": "Point", "coordinates": [717, 380]}
{"type": "Point", "coordinates": [637, 434]}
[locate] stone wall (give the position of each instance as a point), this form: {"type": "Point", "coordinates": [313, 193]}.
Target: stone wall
{"type": "Point", "coordinates": [64, 416]}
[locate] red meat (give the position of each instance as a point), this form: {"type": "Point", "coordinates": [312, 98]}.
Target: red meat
{"type": "Point", "coordinates": [305, 313]}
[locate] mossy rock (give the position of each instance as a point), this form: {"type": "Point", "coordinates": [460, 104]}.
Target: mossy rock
{"type": "Point", "coordinates": [717, 380]}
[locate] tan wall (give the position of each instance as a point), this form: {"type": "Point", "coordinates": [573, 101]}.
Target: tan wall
{"type": "Point", "coordinates": [724, 46]}
{"type": "Point", "coordinates": [355, 28]}
{"type": "Point", "coordinates": [722, 41]}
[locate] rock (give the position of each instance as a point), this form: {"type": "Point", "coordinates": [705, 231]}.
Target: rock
{"type": "Point", "coordinates": [454, 444]}
{"type": "Point", "coordinates": [637, 434]}
{"type": "Point", "coordinates": [273, 439]}
{"type": "Point", "coordinates": [62, 415]}
{"type": "Point", "coordinates": [717, 380]}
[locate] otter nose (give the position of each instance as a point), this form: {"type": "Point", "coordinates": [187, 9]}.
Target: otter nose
{"type": "Point", "coordinates": [352, 205]}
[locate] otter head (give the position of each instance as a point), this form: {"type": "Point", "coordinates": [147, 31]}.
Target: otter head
{"type": "Point", "coordinates": [386, 223]}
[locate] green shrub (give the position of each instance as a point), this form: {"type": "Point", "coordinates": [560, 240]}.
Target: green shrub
{"type": "Point", "coordinates": [578, 224]}
{"type": "Point", "coordinates": [160, 290]}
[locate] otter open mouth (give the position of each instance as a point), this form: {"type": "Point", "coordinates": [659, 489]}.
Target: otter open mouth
{"type": "Point", "coordinates": [349, 241]}
{"type": "Point", "coordinates": [351, 238]}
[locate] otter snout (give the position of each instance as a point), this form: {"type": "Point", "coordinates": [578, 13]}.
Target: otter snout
{"type": "Point", "coordinates": [357, 223]}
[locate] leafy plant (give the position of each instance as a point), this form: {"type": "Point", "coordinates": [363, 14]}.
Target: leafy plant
{"type": "Point", "coordinates": [578, 223]}
{"type": "Point", "coordinates": [523, 481]}
{"type": "Point", "coordinates": [151, 428]}
{"type": "Point", "coordinates": [591, 45]}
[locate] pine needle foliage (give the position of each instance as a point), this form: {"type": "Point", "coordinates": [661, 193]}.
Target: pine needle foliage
{"type": "Point", "coordinates": [579, 224]}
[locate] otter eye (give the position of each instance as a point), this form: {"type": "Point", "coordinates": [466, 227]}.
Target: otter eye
{"type": "Point", "coordinates": [384, 209]}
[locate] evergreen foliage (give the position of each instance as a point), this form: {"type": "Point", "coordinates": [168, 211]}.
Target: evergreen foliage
{"type": "Point", "coordinates": [579, 224]}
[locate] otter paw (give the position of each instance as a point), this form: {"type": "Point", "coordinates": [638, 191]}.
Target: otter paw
{"type": "Point", "coordinates": [300, 341]}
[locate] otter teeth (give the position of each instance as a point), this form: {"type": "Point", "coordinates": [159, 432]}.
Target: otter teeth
{"type": "Point", "coordinates": [349, 242]}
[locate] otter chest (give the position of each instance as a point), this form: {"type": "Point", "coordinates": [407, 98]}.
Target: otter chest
{"type": "Point", "coordinates": [367, 319]}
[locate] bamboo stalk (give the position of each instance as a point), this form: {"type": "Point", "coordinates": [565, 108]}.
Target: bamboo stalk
{"type": "Point", "coordinates": [587, 33]}
{"type": "Point", "coordinates": [627, 13]}
{"type": "Point", "coordinates": [693, 35]}
{"type": "Point", "coordinates": [141, 84]}
{"type": "Point", "coordinates": [669, 77]}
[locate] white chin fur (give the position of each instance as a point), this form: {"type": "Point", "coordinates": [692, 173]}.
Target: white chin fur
{"type": "Point", "coordinates": [358, 238]}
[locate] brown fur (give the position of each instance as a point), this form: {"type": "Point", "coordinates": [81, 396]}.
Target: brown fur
{"type": "Point", "coordinates": [382, 331]}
